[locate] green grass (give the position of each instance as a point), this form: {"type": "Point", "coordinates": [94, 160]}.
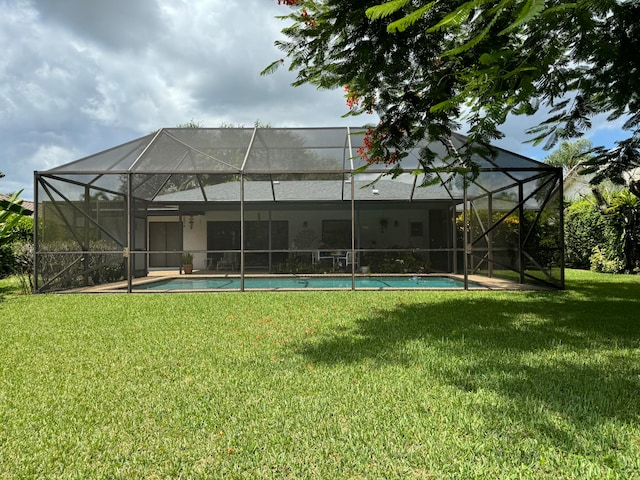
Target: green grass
{"type": "Point", "coordinates": [323, 384]}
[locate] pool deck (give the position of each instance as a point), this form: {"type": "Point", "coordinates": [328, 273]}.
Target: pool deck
{"type": "Point", "coordinates": [483, 283]}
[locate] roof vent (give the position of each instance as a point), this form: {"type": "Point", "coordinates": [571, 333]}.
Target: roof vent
{"type": "Point", "coordinates": [375, 191]}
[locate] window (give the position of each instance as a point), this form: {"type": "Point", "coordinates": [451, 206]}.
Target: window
{"type": "Point", "coordinates": [336, 234]}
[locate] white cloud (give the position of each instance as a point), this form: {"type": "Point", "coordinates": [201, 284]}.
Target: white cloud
{"type": "Point", "coordinates": [49, 156]}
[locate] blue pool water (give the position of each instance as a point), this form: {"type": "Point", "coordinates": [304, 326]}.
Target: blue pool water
{"type": "Point", "coordinates": [288, 283]}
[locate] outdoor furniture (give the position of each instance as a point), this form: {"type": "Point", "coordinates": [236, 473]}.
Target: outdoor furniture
{"type": "Point", "coordinates": [228, 261]}
{"type": "Point", "coordinates": [345, 259]}
{"type": "Point", "coordinates": [338, 258]}
{"type": "Point", "coordinates": [323, 256]}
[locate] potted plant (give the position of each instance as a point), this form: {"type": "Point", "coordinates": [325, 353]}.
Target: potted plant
{"type": "Point", "coordinates": [187, 262]}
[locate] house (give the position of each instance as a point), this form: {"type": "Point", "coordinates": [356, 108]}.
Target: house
{"type": "Point", "coordinates": [283, 201]}
{"type": "Point", "coordinates": [25, 203]}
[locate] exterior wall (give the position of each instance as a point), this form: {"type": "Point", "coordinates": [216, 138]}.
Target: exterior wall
{"type": "Point", "coordinates": [196, 239]}
{"type": "Point", "coordinates": [376, 228]}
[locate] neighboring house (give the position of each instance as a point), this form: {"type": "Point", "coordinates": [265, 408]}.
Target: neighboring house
{"type": "Point", "coordinates": [25, 203]}
{"type": "Point", "coordinates": [291, 201]}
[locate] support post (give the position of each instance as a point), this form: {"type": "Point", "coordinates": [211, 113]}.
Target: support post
{"type": "Point", "coordinates": [562, 243]}
{"type": "Point", "coordinates": [353, 234]}
{"type": "Point", "coordinates": [129, 247]}
{"type": "Point", "coordinates": [36, 237]}
{"type": "Point", "coordinates": [521, 231]}
{"type": "Point", "coordinates": [490, 235]}
{"type": "Point", "coordinates": [242, 231]}
{"type": "Point", "coordinates": [465, 240]}
{"type": "Point", "coordinates": [85, 246]}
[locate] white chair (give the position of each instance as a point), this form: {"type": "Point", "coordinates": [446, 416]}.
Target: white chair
{"type": "Point", "coordinates": [349, 259]}
{"type": "Point", "coordinates": [321, 255]}
{"type": "Point", "coordinates": [228, 261]}
{"type": "Point", "coordinates": [345, 260]}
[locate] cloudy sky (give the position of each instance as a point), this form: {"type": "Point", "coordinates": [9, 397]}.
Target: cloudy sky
{"type": "Point", "coordinates": [81, 76]}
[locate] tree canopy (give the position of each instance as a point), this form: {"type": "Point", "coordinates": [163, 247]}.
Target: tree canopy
{"type": "Point", "coordinates": [572, 157]}
{"type": "Point", "coordinates": [424, 66]}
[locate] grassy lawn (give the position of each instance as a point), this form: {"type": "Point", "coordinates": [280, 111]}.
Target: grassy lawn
{"type": "Point", "coordinates": [323, 384]}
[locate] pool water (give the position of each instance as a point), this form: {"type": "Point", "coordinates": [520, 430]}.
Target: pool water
{"type": "Point", "coordinates": [288, 283]}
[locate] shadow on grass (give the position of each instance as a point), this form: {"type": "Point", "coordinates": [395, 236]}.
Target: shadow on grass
{"type": "Point", "coordinates": [570, 352]}
{"type": "Point", "coordinates": [5, 291]}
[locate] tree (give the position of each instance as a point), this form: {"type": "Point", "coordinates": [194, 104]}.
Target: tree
{"type": "Point", "coordinates": [11, 212]}
{"type": "Point", "coordinates": [16, 228]}
{"type": "Point", "coordinates": [622, 213]}
{"type": "Point", "coordinates": [617, 164]}
{"type": "Point", "coordinates": [572, 158]}
{"type": "Point", "coordinates": [190, 124]}
{"type": "Point", "coordinates": [421, 64]}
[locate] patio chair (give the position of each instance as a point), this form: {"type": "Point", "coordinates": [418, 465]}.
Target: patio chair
{"type": "Point", "coordinates": [349, 259]}
{"type": "Point", "coordinates": [228, 261]}
{"type": "Point", "coordinates": [344, 260]}
{"type": "Point", "coordinates": [321, 255]}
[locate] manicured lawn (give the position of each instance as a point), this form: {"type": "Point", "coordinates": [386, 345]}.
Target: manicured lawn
{"type": "Point", "coordinates": [323, 384]}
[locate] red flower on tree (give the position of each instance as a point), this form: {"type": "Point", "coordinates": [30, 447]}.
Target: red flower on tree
{"type": "Point", "coordinates": [308, 19]}
{"type": "Point", "coordinates": [352, 98]}
{"type": "Point", "coordinates": [372, 145]}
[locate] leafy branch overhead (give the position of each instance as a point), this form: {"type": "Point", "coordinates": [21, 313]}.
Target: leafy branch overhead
{"type": "Point", "coordinates": [425, 66]}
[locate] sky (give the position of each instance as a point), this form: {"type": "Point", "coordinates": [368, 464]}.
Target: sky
{"type": "Point", "coordinates": [81, 76]}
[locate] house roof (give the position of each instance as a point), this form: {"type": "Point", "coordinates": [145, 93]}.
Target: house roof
{"type": "Point", "coordinates": [25, 203]}
{"type": "Point", "coordinates": [307, 190]}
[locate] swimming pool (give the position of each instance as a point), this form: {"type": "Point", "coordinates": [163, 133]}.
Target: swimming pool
{"type": "Point", "coordinates": [324, 282]}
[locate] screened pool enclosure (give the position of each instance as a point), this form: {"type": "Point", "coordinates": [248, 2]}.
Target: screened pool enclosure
{"type": "Point", "coordinates": [254, 201]}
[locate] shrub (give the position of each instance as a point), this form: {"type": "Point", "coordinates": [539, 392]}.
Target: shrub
{"type": "Point", "coordinates": [6, 260]}
{"type": "Point", "coordinates": [23, 264]}
{"type": "Point", "coordinates": [62, 266]}
{"type": "Point", "coordinates": [22, 232]}
{"type": "Point", "coordinates": [585, 229]}
{"type": "Point", "coordinates": [604, 261]}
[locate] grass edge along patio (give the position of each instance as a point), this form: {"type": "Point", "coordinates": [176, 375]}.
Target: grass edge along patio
{"type": "Point", "coordinates": [283, 201]}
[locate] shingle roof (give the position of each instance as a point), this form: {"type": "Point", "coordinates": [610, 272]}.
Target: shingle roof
{"type": "Point", "coordinates": [305, 190]}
